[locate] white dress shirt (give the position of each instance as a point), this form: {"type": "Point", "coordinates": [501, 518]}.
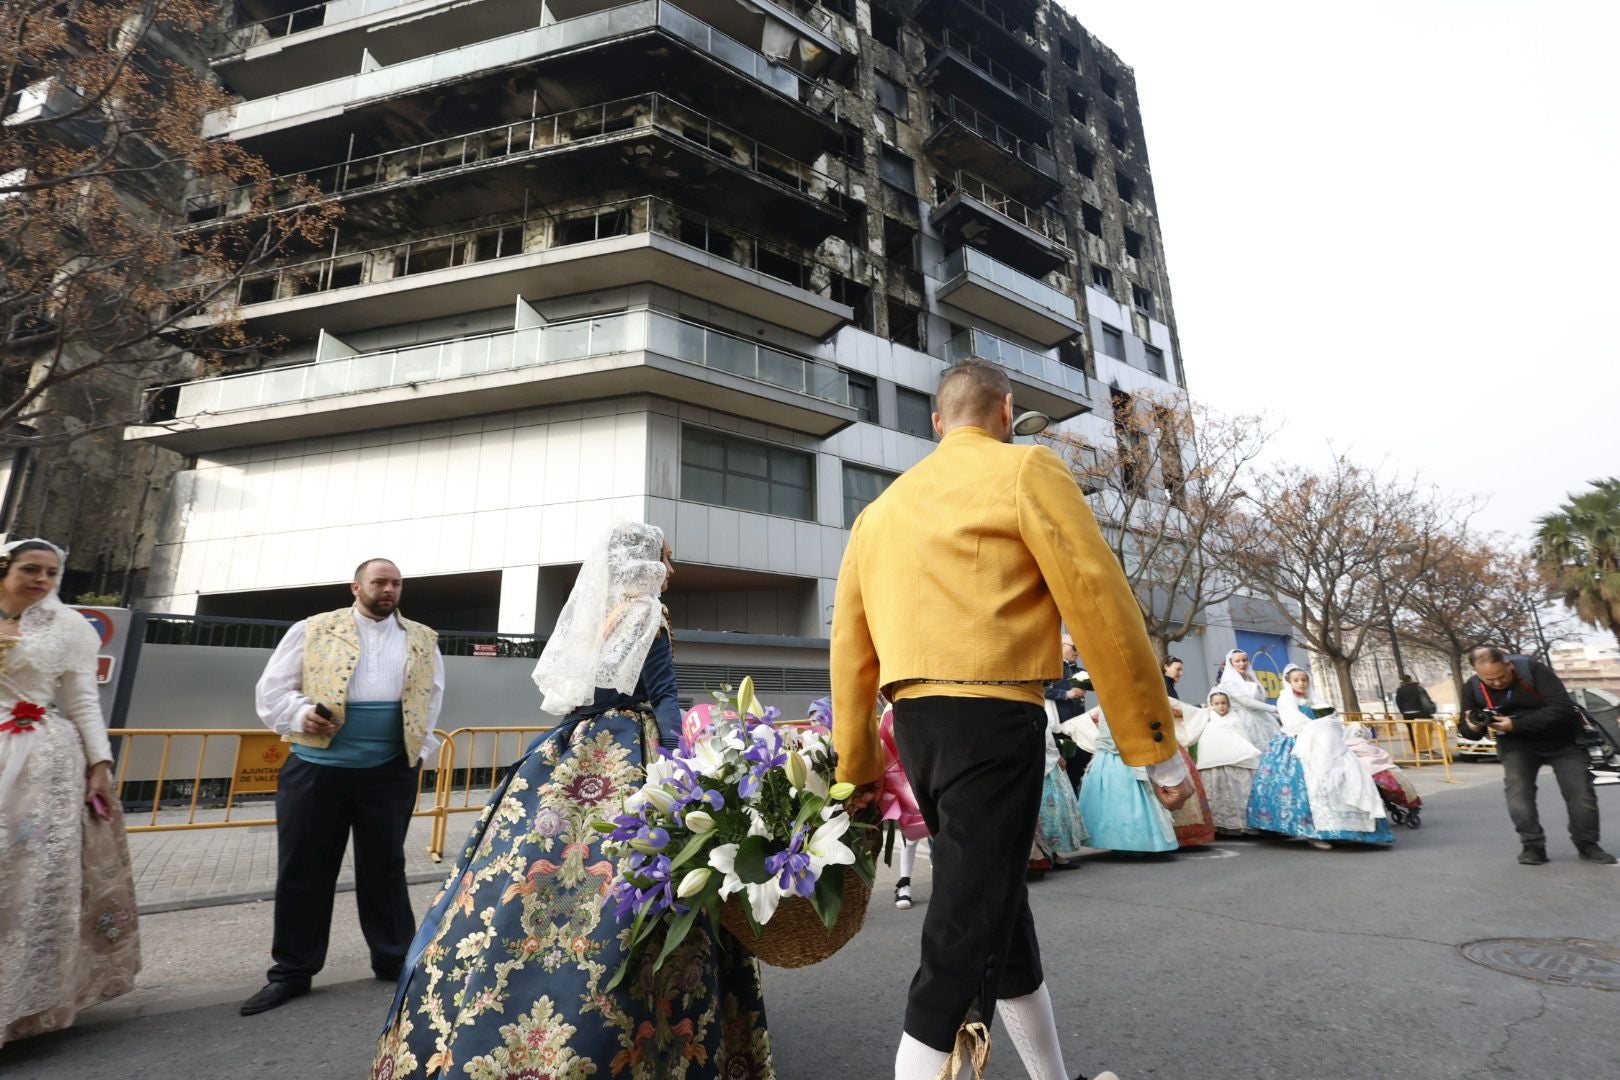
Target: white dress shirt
{"type": "Point", "coordinates": [378, 676]}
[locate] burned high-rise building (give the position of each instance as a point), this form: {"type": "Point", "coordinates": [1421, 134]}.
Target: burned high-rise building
{"type": "Point", "coordinates": [698, 262]}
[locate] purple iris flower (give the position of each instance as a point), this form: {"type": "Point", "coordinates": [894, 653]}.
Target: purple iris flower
{"type": "Point", "coordinates": [793, 866]}
{"type": "Point", "coordinates": [821, 712]}
{"type": "Point", "coordinates": [626, 827]}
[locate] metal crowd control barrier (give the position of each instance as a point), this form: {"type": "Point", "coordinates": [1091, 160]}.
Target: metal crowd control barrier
{"type": "Point", "coordinates": [1415, 743]}
{"type": "Point", "coordinates": [451, 778]}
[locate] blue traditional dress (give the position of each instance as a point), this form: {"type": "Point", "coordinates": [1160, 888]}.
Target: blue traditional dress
{"type": "Point", "coordinates": [505, 976]}
{"type": "Point", "coordinates": [1061, 830]}
{"type": "Point", "coordinates": [1311, 786]}
{"type": "Point", "coordinates": [1118, 806]}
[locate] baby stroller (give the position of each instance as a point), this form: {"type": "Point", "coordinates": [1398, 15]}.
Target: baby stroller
{"type": "Point", "coordinates": [1401, 800]}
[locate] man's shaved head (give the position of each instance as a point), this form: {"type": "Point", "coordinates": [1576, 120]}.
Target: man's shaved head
{"type": "Point", "coordinates": [972, 392]}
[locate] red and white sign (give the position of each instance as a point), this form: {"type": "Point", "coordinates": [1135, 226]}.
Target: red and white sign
{"type": "Point", "coordinates": [104, 669]}
{"type": "Point", "coordinates": [485, 650]}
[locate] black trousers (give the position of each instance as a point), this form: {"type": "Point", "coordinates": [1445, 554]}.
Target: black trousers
{"type": "Point", "coordinates": [975, 766]}
{"type": "Point", "coordinates": [1521, 763]}
{"type": "Point", "coordinates": [317, 806]}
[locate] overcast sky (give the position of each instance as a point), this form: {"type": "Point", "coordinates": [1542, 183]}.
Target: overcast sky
{"type": "Point", "coordinates": [1397, 224]}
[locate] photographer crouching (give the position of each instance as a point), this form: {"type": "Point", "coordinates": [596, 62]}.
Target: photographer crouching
{"type": "Point", "coordinates": [1525, 704]}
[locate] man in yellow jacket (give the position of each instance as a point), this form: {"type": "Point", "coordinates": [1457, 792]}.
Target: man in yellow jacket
{"type": "Point", "coordinates": [949, 600]}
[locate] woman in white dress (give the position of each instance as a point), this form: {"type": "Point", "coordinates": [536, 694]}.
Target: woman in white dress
{"type": "Point", "coordinates": [67, 897]}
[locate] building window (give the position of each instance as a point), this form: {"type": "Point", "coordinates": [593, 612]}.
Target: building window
{"type": "Point", "coordinates": [1070, 52]}
{"type": "Point", "coordinates": [861, 486]}
{"type": "Point", "coordinates": [1142, 299]}
{"type": "Point", "coordinates": [1077, 106]}
{"type": "Point", "coordinates": [1103, 278]}
{"type": "Point", "coordinates": [1110, 85]}
{"type": "Point", "coordinates": [886, 29]}
{"type": "Point", "coordinates": [891, 96]}
{"type": "Point", "coordinates": [916, 415]}
{"type": "Point", "coordinates": [851, 145]}
{"type": "Point", "coordinates": [899, 243]}
{"type": "Point", "coordinates": [1091, 218]}
{"type": "Point", "coordinates": [904, 325]}
{"type": "Point", "coordinates": [897, 169]}
{"type": "Point", "coordinates": [863, 396]}
{"type": "Point", "coordinates": [1117, 135]}
{"type": "Point", "coordinates": [1112, 343]}
{"type": "Point", "coordinates": [1085, 160]}
{"type": "Point", "coordinates": [1125, 186]}
{"type": "Point", "coordinates": [1133, 243]}
{"type": "Point", "coordinates": [1155, 360]}
{"type": "Point", "coordinates": [745, 475]}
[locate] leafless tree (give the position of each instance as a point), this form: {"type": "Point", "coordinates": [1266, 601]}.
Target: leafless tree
{"type": "Point", "coordinates": [1166, 495]}
{"type": "Point", "coordinates": [1337, 549]}
{"type": "Point", "coordinates": [101, 273]}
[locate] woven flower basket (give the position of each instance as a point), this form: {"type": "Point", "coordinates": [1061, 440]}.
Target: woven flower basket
{"type": "Point", "coordinates": [796, 936]}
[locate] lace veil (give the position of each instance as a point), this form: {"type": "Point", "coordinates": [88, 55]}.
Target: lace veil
{"type": "Point", "coordinates": [609, 622]}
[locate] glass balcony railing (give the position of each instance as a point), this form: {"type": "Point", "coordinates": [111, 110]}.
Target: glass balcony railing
{"type": "Point", "coordinates": [510, 142]}
{"type": "Point", "coordinates": [1048, 225]}
{"type": "Point", "coordinates": [996, 72]}
{"type": "Point", "coordinates": [245, 35]}
{"type": "Point", "coordinates": [496, 241]}
{"type": "Point", "coordinates": [977, 343]}
{"type": "Point", "coordinates": [515, 49]}
{"type": "Point", "coordinates": [1024, 33]}
{"type": "Point", "coordinates": [509, 350]}
{"type": "Point", "coordinates": [956, 111]}
{"type": "Point", "coordinates": [966, 260]}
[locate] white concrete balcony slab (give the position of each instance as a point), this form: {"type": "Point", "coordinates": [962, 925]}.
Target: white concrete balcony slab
{"type": "Point", "coordinates": [635, 352]}
{"type": "Point", "coordinates": [539, 258]}
{"type": "Point", "coordinates": [994, 291]}
{"type": "Point", "coordinates": [1039, 382]}
{"type": "Point", "coordinates": [337, 96]}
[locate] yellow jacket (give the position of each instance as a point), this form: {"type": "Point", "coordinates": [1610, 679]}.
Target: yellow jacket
{"type": "Point", "coordinates": [959, 572]}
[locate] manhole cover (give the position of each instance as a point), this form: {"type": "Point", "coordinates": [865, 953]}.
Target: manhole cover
{"type": "Point", "coordinates": [1590, 965]}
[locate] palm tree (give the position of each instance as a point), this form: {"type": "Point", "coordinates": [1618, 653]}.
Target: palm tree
{"type": "Point", "coordinates": [1578, 548]}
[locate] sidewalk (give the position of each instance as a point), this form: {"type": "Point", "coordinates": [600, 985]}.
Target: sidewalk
{"type": "Point", "coordinates": [207, 867]}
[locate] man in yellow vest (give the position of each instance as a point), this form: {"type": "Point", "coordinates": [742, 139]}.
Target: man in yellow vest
{"type": "Point", "coordinates": [357, 692]}
{"type": "Point", "coordinates": [950, 598]}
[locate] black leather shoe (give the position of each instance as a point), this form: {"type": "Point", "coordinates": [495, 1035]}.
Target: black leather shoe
{"type": "Point", "coordinates": [1533, 855]}
{"type": "Point", "coordinates": [272, 996]}
{"type": "Point", "coordinates": [1597, 855]}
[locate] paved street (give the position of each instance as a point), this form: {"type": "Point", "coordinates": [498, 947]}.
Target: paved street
{"type": "Point", "coordinates": [1250, 960]}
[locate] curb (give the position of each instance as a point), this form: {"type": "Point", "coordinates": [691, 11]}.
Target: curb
{"type": "Point", "coordinates": [421, 877]}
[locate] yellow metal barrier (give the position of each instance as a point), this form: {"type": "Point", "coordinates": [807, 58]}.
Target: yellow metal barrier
{"type": "Point", "coordinates": [1415, 743]}
{"type": "Point", "coordinates": [506, 744]}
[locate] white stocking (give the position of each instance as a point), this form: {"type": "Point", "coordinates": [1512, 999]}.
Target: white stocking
{"type": "Point", "coordinates": [1033, 1029]}
{"type": "Point", "coordinates": [908, 857]}
{"type": "Point", "coordinates": [917, 1061]}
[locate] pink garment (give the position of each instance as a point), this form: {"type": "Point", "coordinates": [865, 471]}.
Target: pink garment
{"type": "Point", "coordinates": [1370, 754]}
{"type": "Point", "coordinates": [696, 719]}
{"type": "Point", "coordinates": [895, 797]}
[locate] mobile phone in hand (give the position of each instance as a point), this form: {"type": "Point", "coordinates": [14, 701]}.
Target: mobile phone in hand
{"type": "Point", "coordinates": [323, 712]}
{"type": "Point", "coordinates": [99, 806]}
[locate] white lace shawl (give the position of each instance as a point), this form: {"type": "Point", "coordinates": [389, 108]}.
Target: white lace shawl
{"type": "Point", "coordinates": [609, 622]}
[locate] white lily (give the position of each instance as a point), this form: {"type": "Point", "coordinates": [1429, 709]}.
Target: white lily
{"type": "Point", "coordinates": [661, 798]}
{"type": "Point", "coordinates": [798, 769]}
{"type": "Point", "coordinates": [699, 821]}
{"type": "Point", "coordinates": [825, 847]}
{"type": "Point", "coordinates": [756, 822]}
{"type": "Point", "coordinates": [762, 898]}
{"type": "Point", "coordinates": [694, 882]}
{"type": "Point", "coordinates": [709, 758]}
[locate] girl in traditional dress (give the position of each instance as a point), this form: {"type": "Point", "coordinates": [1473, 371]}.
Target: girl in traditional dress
{"type": "Point", "coordinates": [1228, 753]}
{"type": "Point", "coordinates": [1060, 832]}
{"type": "Point", "coordinates": [67, 897]}
{"type": "Point", "coordinates": [506, 975]}
{"type": "Point", "coordinates": [1118, 807]}
{"type": "Point", "coordinates": [1309, 784]}
{"type": "Point", "coordinates": [898, 804]}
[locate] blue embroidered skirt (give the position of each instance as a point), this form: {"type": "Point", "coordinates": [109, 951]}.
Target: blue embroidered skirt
{"type": "Point", "coordinates": [504, 978]}
{"type": "Point", "coordinates": [1280, 803]}
{"type": "Point", "coordinates": [1061, 826]}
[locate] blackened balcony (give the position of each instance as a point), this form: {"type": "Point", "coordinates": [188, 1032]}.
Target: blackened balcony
{"type": "Point", "coordinates": [562, 253]}
{"type": "Point", "coordinates": [992, 290]}
{"type": "Point", "coordinates": [957, 67]}
{"type": "Point", "coordinates": [968, 140]}
{"type": "Point", "coordinates": [632, 352]}
{"type": "Point", "coordinates": [1005, 32]}
{"type": "Point", "coordinates": [1039, 382]}
{"type": "Point", "coordinates": [969, 211]}
{"type": "Point", "coordinates": [634, 143]}
{"type": "Point", "coordinates": [643, 46]}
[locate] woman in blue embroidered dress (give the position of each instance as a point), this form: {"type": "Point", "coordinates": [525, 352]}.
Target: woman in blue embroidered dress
{"type": "Point", "coordinates": [505, 976]}
{"type": "Point", "coordinates": [1309, 785]}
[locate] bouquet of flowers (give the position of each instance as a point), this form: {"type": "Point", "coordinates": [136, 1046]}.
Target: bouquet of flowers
{"type": "Point", "coordinates": [746, 810]}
